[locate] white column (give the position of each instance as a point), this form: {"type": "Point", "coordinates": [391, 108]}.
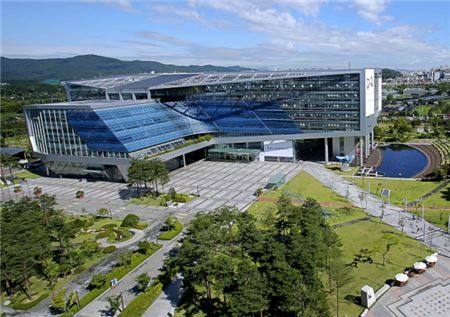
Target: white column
{"type": "Point", "coordinates": [361, 149]}
{"type": "Point", "coordinates": [373, 142]}
{"type": "Point", "coordinates": [184, 160]}
{"type": "Point", "coordinates": [326, 150]}
{"type": "Point", "coordinates": [366, 143]}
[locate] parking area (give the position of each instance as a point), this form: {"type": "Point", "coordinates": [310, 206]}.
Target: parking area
{"type": "Point", "coordinates": [218, 184]}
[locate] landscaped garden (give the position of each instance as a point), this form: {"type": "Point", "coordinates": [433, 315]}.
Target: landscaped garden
{"type": "Point", "coordinates": [373, 235]}
{"type": "Point", "coordinates": [161, 199]}
{"type": "Point", "coordinates": [363, 243]}
{"type": "Point", "coordinates": [436, 206]}
{"type": "Point", "coordinates": [172, 227]}
{"type": "Point", "coordinates": [337, 209]}
{"type": "Point", "coordinates": [54, 247]}
{"type": "Point", "coordinates": [126, 262]}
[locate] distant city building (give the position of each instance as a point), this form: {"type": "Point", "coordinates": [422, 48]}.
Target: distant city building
{"type": "Point", "coordinates": [250, 115]}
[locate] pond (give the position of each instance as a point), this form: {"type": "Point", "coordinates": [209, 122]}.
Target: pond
{"type": "Point", "coordinates": [401, 161]}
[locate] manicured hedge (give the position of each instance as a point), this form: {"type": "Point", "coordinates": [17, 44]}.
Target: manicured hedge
{"type": "Point", "coordinates": [130, 220]}
{"type": "Point", "coordinates": [117, 272]}
{"type": "Point", "coordinates": [109, 249]}
{"type": "Point", "coordinates": [169, 235]}
{"type": "Point", "coordinates": [143, 301]}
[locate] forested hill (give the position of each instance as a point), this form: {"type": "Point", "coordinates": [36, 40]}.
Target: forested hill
{"type": "Point", "coordinates": [390, 73]}
{"type": "Point", "coordinates": [14, 70]}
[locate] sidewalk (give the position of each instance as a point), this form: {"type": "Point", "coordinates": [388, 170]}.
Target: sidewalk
{"type": "Point", "coordinates": [152, 266]}
{"type": "Point", "coordinates": [393, 215]}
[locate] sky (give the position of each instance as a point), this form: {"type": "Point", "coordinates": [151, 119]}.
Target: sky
{"type": "Point", "coordinates": [264, 34]}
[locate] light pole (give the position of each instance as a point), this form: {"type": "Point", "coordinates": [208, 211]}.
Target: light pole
{"type": "Point", "coordinates": [423, 222]}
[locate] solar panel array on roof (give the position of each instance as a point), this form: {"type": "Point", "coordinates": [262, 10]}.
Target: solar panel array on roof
{"type": "Point", "coordinates": [154, 81]}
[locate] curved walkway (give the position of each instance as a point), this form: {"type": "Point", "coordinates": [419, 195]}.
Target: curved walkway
{"type": "Point", "coordinates": [433, 156]}
{"type": "Point", "coordinates": [137, 235]}
{"type": "Point", "coordinates": [430, 234]}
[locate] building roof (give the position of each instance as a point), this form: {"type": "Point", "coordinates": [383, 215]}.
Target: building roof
{"type": "Point", "coordinates": [89, 104]}
{"type": "Point", "coordinates": [138, 81]}
{"type": "Point", "coordinates": [173, 80]}
{"type": "Point", "coordinates": [221, 78]}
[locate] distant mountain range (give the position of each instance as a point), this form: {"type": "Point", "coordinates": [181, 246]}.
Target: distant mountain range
{"type": "Point", "coordinates": [15, 70]}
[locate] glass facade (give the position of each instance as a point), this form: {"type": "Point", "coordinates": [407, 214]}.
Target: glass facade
{"type": "Point", "coordinates": [274, 106]}
{"type": "Point", "coordinates": [111, 132]}
{"type": "Point", "coordinates": [79, 92]}
{"type": "Point", "coordinates": [314, 103]}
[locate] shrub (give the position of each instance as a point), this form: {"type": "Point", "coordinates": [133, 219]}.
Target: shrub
{"type": "Point", "coordinates": [79, 269]}
{"type": "Point", "coordinates": [125, 259]}
{"type": "Point", "coordinates": [105, 234]}
{"type": "Point", "coordinates": [143, 301]}
{"type": "Point", "coordinates": [163, 202]}
{"type": "Point", "coordinates": [169, 235]}
{"type": "Point", "coordinates": [102, 211]}
{"type": "Point", "coordinates": [79, 194]}
{"type": "Point", "coordinates": [80, 223]}
{"type": "Point", "coordinates": [181, 198]}
{"type": "Point", "coordinates": [97, 281]}
{"type": "Point", "coordinates": [109, 249]}
{"type": "Point", "coordinates": [109, 226]}
{"type": "Point", "coordinates": [130, 220]}
{"type": "Point", "coordinates": [172, 194]}
{"type": "Point", "coordinates": [141, 225]}
{"type": "Point", "coordinates": [146, 247]}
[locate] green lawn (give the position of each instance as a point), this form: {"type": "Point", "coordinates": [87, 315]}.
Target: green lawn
{"type": "Point", "coordinates": [439, 199]}
{"type": "Point", "coordinates": [402, 188]}
{"type": "Point", "coordinates": [150, 201]}
{"type": "Point", "coordinates": [169, 235]}
{"type": "Point", "coordinates": [304, 185]}
{"type": "Point", "coordinates": [27, 174]}
{"type": "Point", "coordinates": [307, 186]}
{"type": "Point", "coordinates": [158, 201]}
{"type": "Point", "coordinates": [355, 237]}
{"type": "Point", "coordinates": [437, 217]}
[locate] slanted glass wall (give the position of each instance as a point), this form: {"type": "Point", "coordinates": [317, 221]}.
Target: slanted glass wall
{"type": "Point", "coordinates": [111, 132]}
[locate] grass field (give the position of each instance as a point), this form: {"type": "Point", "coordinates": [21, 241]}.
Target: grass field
{"type": "Point", "coordinates": [304, 185]}
{"type": "Point", "coordinates": [356, 237]}
{"type": "Point", "coordinates": [403, 188]}
{"type": "Point", "coordinates": [27, 174]}
{"type": "Point", "coordinates": [437, 206]}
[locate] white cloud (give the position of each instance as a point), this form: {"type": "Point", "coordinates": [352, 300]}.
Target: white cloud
{"type": "Point", "coordinates": [125, 5]}
{"type": "Point", "coordinates": [371, 10]}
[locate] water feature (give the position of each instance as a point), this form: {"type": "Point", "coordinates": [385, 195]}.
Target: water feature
{"type": "Point", "coordinates": [401, 161]}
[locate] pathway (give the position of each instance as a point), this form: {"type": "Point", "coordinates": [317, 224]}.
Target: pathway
{"type": "Point", "coordinates": [392, 215]}
{"type": "Point", "coordinates": [127, 284]}
{"type": "Point", "coordinates": [137, 235]}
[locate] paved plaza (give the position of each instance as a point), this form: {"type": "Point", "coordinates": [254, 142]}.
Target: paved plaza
{"type": "Point", "coordinates": [218, 183]}
{"type": "Point", "coordinates": [427, 294]}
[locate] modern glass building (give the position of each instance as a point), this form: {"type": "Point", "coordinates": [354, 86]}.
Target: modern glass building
{"type": "Point", "coordinates": [108, 121]}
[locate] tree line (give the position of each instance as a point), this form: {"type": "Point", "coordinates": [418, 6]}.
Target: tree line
{"type": "Point", "coordinates": [36, 242]}
{"type": "Point", "coordinates": [235, 265]}
{"type": "Point", "coordinates": [143, 173]}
